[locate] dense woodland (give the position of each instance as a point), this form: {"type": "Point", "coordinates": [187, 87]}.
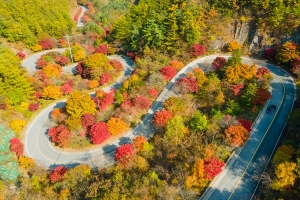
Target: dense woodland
{"type": "Point", "coordinates": [207, 116]}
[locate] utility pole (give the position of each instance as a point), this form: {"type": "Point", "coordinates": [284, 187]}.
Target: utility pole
{"type": "Point", "coordinates": [67, 37]}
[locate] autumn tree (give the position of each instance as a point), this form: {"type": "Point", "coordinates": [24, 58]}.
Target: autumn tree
{"type": "Point", "coordinates": [124, 154]}
{"type": "Point", "coordinates": [96, 60]}
{"type": "Point", "coordinates": [236, 89]}
{"type": "Point", "coordinates": [247, 124]}
{"type": "Point", "coordinates": [99, 133]}
{"type": "Point", "coordinates": [234, 45]}
{"type": "Point", "coordinates": [199, 122]}
{"type": "Point", "coordinates": [66, 89]}
{"type": "Point", "coordinates": [287, 52]}
{"type": "Point", "coordinates": [176, 64]}
{"type": "Point", "coordinates": [87, 120]}
{"type": "Point", "coordinates": [142, 102]}
{"type": "Point", "coordinates": [116, 126]}
{"type": "Point", "coordinates": [198, 50]}
{"type": "Point", "coordinates": [17, 125]}
{"type": "Point", "coordinates": [284, 153]}
{"type": "Point", "coordinates": [16, 146]}
{"type": "Point", "coordinates": [79, 103]}
{"type": "Point", "coordinates": [261, 96]}
{"type": "Point", "coordinates": [236, 135]}
{"type": "Point", "coordinates": [52, 70]}
{"type": "Point", "coordinates": [51, 92]}
{"type": "Point", "coordinates": [240, 73]}
{"type": "Point", "coordinates": [197, 180]}
{"type": "Point", "coordinates": [174, 104]}
{"type": "Point", "coordinates": [285, 176]}
{"type": "Point", "coordinates": [60, 135]}
{"type": "Point", "coordinates": [138, 143]}
{"type": "Point", "coordinates": [168, 72]}
{"type": "Point", "coordinates": [235, 58]}
{"type": "Point", "coordinates": [161, 117]}
{"type": "Point", "coordinates": [270, 53]}
{"type": "Point", "coordinates": [212, 167]}
{"type": "Point", "coordinates": [175, 130]}
{"type": "Point", "coordinates": [57, 175]}
{"type": "Point", "coordinates": [104, 78]}
{"type": "Point", "coordinates": [200, 77]}
{"type": "Point", "coordinates": [219, 63]}
{"type": "Point", "coordinates": [188, 85]}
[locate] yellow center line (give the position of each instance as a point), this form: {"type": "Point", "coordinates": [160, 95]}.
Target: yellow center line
{"type": "Point", "coordinates": [261, 140]}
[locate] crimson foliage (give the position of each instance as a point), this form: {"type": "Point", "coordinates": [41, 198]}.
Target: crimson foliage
{"type": "Point", "coordinates": [16, 146]}
{"type": "Point", "coordinates": [33, 106]}
{"type": "Point", "coordinates": [41, 63]}
{"type": "Point", "coordinates": [46, 44]}
{"type": "Point", "coordinates": [261, 96]}
{"type": "Point", "coordinates": [153, 92]}
{"type": "Point", "coordinates": [105, 77]}
{"type": "Point", "coordinates": [99, 133]}
{"type": "Point", "coordinates": [198, 50]}
{"type": "Point", "coordinates": [212, 167]}
{"type": "Point", "coordinates": [270, 53]}
{"type": "Point", "coordinates": [66, 89]}
{"type": "Point", "coordinates": [236, 89]}
{"type": "Point", "coordinates": [189, 84]}
{"type": "Point", "coordinates": [123, 152]}
{"type": "Point", "coordinates": [219, 63]}
{"type": "Point", "coordinates": [57, 174]}
{"type": "Point", "coordinates": [21, 55]}
{"type": "Point", "coordinates": [102, 48]}
{"type": "Point", "coordinates": [246, 124]}
{"type": "Point", "coordinates": [168, 72]}
{"type": "Point", "coordinates": [142, 102]}
{"type": "Point", "coordinates": [87, 120]}
{"type": "Point", "coordinates": [262, 71]}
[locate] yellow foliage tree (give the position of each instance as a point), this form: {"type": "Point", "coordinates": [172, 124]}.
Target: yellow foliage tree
{"type": "Point", "coordinates": [24, 106]}
{"type": "Point", "coordinates": [285, 176]}
{"type": "Point", "coordinates": [51, 92]}
{"type": "Point", "coordinates": [36, 48]}
{"type": "Point", "coordinates": [73, 123]}
{"type": "Point", "coordinates": [283, 154]}
{"type": "Point", "coordinates": [234, 45]}
{"type": "Point", "coordinates": [79, 55]}
{"type": "Point", "coordinates": [64, 194]}
{"type": "Point", "coordinates": [17, 124]}
{"type": "Point", "coordinates": [200, 77]}
{"type": "Point", "coordinates": [116, 126]}
{"type": "Point", "coordinates": [197, 181]}
{"type": "Point", "coordinates": [25, 162]}
{"type": "Point", "coordinates": [96, 60]}
{"type": "Point", "coordinates": [80, 103]}
{"type": "Point", "coordinates": [176, 64]}
{"type": "Point", "coordinates": [52, 70]}
{"type": "Point", "coordinates": [240, 73]}
{"type": "Point", "coordinates": [93, 84]}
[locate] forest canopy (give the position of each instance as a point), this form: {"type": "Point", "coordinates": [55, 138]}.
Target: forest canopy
{"type": "Point", "coordinates": [26, 20]}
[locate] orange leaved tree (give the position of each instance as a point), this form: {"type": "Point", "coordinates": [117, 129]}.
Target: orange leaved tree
{"type": "Point", "coordinates": [236, 135]}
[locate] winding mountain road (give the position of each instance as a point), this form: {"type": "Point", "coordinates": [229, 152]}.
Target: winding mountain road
{"type": "Point", "coordinates": [241, 174]}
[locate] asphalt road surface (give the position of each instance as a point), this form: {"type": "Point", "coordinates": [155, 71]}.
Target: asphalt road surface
{"type": "Point", "coordinates": [241, 175]}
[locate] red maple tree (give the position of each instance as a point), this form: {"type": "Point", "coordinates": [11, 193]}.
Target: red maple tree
{"type": "Point", "coordinates": [212, 167]}
{"type": "Point", "coordinates": [123, 153]}
{"type": "Point", "coordinates": [247, 124]}
{"type": "Point", "coordinates": [16, 146]}
{"type": "Point", "coordinates": [21, 55]}
{"type": "Point", "coordinates": [99, 133]}
{"type": "Point", "coordinates": [105, 77]}
{"type": "Point", "coordinates": [33, 106]}
{"type": "Point", "coordinates": [236, 89]}
{"type": "Point", "coordinates": [270, 53]}
{"type": "Point", "coordinates": [161, 117]}
{"type": "Point", "coordinates": [219, 63]}
{"type": "Point", "coordinates": [87, 120]}
{"type": "Point", "coordinates": [142, 102]}
{"type": "Point", "coordinates": [66, 89]}
{"type": "Point", "coordinates": [188, 85]}
{"type": "Point", "coordinates": [261, 96]}
{"type": "Point", "coordinates": [198, 50]}
{"type": "Point", "coordinates": [46, 43]}
{"type": "Point", "coordinates": [102, 48]}
{"type": "Point", "coordinates": [57, 174]}
{"type": "Point", "coordinates": [168, 72]}
{"type": "Point", "coordinates": [153, 92]}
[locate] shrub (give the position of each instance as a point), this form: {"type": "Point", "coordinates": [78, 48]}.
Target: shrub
{"type": "Point", "coordinates": [234, 45]}
{"type": "Point", "coordinates": [36, 48]}
{"type": "Point", "coordinates": [102, 48]}
{"type": "Point", "coordinates": [21, 55]}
